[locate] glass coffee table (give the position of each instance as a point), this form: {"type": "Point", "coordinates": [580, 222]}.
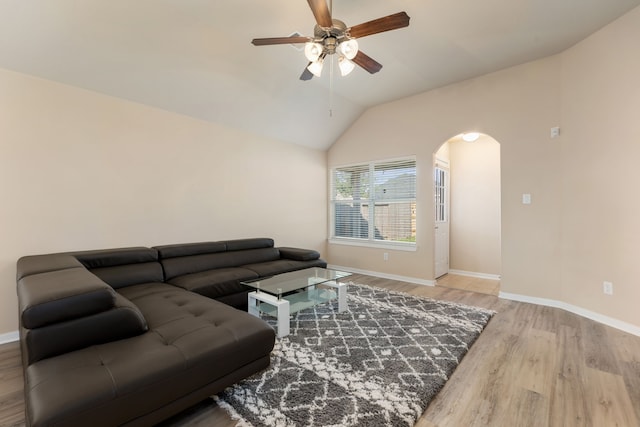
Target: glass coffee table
{"type": "Point", "coordinates": [284, 294]}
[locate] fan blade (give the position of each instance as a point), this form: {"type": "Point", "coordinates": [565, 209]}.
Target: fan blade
{"type": "Point", "coordinates": [279, 40]}
{"type": "Point", "coordinates": [366, 62]}
{"type": "Point", "coordinates": [306, 74]}
{"type": "Point", "coordinates": [388, 23]}
{"type": "Point", "coordinates": [321, 12]}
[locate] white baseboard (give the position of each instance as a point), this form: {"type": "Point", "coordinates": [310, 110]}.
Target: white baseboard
{"type": "Point", "coordinates": [415, 280]}
{"type": "Point", "coordinates": [9, 337]}
{"type": "Point", "coordinates": [609, 321]}
{"type": "Point", "coordinates": [474, 274]}
{"type": "Point", "coordinates": [600, 318]}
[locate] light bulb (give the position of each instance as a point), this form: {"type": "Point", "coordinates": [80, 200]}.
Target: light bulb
{"type": "Point", "coordinates": [316, 67]}
{"type": "Point", "coordinates": [313, 51]}
{"type": "Point", "coordinates": [345, 65]}
{"type": "Point", "coordinates": [349, 48]}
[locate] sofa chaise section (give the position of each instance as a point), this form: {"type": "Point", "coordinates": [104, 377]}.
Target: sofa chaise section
{"type": "Point", "coordinates": [106, 342]}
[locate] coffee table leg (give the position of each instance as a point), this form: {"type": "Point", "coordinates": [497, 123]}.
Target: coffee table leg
{"type": "Point", "coordinates": [342, 297]}
{"type": "Point", "coordinates": [283, 318]}
{"type": "Point", "coordinates": [342, 294]}
{"type": "Point", "coordinates": [253, 304]}
{"type": "Point", "coordinates": [282, 306]}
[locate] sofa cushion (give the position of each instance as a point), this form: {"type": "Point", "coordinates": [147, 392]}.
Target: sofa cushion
{"type": "Point", "coordinates": [193, 342]}
{"type": "Point", "coordinates": [61, 295]}
{"type": "Point", "coordinates": [271, 268]}
{"type": "Point", "coordinates": [187, 249]}
{"type": "Point", "coordinates": [122, 321]}
{"type": "Point", "coordinates": [124, 266]}
{"type": "Point", "coordinates": [299, 254]}
{"type": "Point", "coordinates": [119, 256]}
{"type": "Point", "coordinates": [244, 244]}
{"type": "Point", "coordinates": [179, 266]}
{"type": "Point", "coordinates": [35, 264]}
{"type": "Point", "coordinates": [130, 274]}
{"type": "Point", "coordinates": [215, 283]}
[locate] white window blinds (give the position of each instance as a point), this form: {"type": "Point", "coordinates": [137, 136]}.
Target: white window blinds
{"type": "Point", "coordinates": [375, 202]}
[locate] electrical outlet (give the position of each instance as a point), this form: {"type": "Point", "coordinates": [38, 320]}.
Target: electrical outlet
{"type": "Point", "coordinates": [385, 256]}
{"type": "Point", "coordinates": [607, 288]}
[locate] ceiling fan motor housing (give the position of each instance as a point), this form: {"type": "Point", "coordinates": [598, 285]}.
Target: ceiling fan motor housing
{"type": "Point", "coordinates": [331, 37]}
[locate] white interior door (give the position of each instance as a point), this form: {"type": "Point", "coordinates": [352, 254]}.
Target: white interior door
{"type": "Point", "coordinates": [441, 232]}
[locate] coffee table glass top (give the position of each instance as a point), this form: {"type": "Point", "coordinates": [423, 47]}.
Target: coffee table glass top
{"type": "Point", "coordinates": [284, 283]}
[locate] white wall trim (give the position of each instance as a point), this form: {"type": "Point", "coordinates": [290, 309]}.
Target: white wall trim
{"type": "Point", "coordinates": [606, 320]}
{"type": "Point", "coordinates": [474, 274]}
{"type": "Point", "coordinates": [415, 280]}
{"type": "Point", "coordinates": [9, 337]}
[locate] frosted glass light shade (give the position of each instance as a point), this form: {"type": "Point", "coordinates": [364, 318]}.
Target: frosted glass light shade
{"type": "Point", "coordinates": [345, 65]}
{"type": "Point", "coordinates": [349, 48]}
{"type": "Point", "coordinates": [316, 68]}
{"type": "Point", "coordinates": [313, 51]}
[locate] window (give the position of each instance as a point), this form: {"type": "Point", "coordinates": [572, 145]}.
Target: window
{"type": "Point", "coordinates": [440, 202]}
{"type": "Point", "coordinates": [375, 202]}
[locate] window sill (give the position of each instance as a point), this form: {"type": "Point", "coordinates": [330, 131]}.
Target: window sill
{"type": "Point", "coordinates": [398, 246]}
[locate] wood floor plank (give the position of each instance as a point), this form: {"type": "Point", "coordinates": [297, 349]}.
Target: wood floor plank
{"type": "Point", "coordinates": [532, 366]}
{"type": "Point", "coordinates": [568, 406]}
{"type": "Point", "coordinates": [608, 399]}
{"type": "Point", "coordinates": [467, 283]}
{"type": "Point", "coordinates": [597, 347]}
{"type": "Point", "coordinates": [627, 349]}
{"type": "Point", "coordinates": [526, 408]}
{"type": "Point", "coordinates": [536, 370]}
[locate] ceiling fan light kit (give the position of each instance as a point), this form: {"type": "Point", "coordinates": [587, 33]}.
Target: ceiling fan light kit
{"type": "Point", "coordinates": [316, 67]}
{"type": "Point", "coordinates": [349, 48]}
{"type": "Point", "coordinates": [312, 51]}
{"type": "Point", "coordinates": [345, 66]}
{"type": "Point", "coordinates": [332, 36]}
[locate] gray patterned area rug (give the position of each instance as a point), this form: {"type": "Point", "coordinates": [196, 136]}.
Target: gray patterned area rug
{"type": "Point", "coordinates": [378, 364]}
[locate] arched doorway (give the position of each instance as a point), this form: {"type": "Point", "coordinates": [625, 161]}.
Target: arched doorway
{"type": "Point", "coordinates": [467, 215]}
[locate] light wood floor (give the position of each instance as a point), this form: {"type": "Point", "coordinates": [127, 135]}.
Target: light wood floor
{"type": "Point", "coordinates": [532, 366]}
{"type": "Point", "coordinates": [466, 283]}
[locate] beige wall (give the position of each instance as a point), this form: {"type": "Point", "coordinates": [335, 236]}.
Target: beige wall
{"type": "Point", "coordinates": [79, 170]}
{"type": "Point", "coordinates": [475, 206]}
{"type": "Point", "coordinates": [515, 106]}
{"type": "Point", "coordinates": [600, 145]}
{"type": "Point", "coordinates": [582, 226]}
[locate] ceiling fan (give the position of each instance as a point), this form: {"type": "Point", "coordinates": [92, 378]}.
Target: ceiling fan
{"type": "Point", "coordinates": [332, 36]}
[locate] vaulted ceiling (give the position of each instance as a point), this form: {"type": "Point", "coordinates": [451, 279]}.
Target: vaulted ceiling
{"type": "Point", "coordinates": [194, 57]}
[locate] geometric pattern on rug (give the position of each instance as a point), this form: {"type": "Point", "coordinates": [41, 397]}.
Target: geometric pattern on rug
{"type": "Point", "coordinates": [378, 364]}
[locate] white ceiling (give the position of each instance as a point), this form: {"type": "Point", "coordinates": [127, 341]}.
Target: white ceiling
{"type": "Point", "coordinates": [194, 57]}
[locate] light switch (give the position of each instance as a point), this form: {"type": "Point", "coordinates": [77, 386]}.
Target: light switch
{"type": "Point", "coordinates": [526, 199]}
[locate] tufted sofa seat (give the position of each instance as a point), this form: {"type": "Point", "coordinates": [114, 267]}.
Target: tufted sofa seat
{"type": "Point", "coordinates": [108, 339]}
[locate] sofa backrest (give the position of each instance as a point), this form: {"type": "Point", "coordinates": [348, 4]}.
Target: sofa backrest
{"type": "Point", "coordinates": [124, 266]}
{"type": "Point", "coordinates": [181, 259]}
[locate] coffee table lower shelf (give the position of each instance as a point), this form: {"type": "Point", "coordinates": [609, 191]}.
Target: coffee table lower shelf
{"type": "Point", "coordinates": [282, 308]}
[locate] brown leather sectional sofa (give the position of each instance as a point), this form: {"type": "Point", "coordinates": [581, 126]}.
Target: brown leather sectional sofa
{"type": "Point", "coordinates": [133, 336]}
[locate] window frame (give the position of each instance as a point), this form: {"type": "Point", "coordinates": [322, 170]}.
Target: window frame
{"type": "Point", "coordinates": [371, 241]}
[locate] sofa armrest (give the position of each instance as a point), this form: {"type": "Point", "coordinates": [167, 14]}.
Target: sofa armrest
{"type": "Point", "coordinates": [36, 264]}
{"type": "Point", "coordinates": [122, 321]}
{"type": "Point", "coordinates": [61, 295]}
{"type": "Point", "coordinates": [299, 254]}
